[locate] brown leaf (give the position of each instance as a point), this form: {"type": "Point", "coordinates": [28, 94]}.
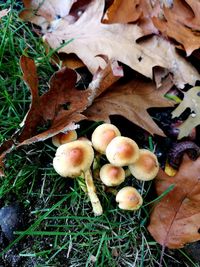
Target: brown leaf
{"type": "Point", "coordinates": [117, 42]}
{"type": "Point", "coordinates": [175, 219]}
{"type": "Point", "coordinates": [122, 11]}
{"type": "Point", "coordinates": [181, 23]}
{"type": "Point", "coordinates": [49, 108]}
{"type": "Point", "coordinates": [92, 38]}
{"type": "Point", "coordinates": [131, 100]}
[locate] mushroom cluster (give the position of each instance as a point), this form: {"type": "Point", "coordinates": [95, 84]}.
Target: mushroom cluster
{"type": "Point", "coordinates": [75, 157]}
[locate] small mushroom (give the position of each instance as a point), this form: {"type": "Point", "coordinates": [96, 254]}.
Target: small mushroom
{"type": "Point", "coordinates": [146, 167]}
{"type": "Point", "coordinates": [112, 175]}
{"type": "Point", "coordinates": [122, 151]}
{"type": "Point", "coordinates": [103, 135]}
{"type": "Point", "coordinates": [75, 159]}
{"type": "Point", "coordinates": [129, 198]}
{"type": "Point", "coordinates": [63, 138]}
{"type": "Point", "coordinates": [175, 154]}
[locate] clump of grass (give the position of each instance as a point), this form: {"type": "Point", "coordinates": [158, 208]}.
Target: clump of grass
{"type": "Point", "coordinates": [60, 228]}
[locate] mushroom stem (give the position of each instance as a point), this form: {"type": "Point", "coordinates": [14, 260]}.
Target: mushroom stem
{"type": "Point", "coordinates": [91, 189]}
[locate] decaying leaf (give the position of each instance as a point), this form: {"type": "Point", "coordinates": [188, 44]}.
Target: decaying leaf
{"type": "Point", "coordinates": [182, 24]}
{"type": "Point", "coordinates": [191, 100]}
{"type": "Point", "coordinates": [60, 107]}
{"type": "Point", "coordinates": [122, 11]}
{"type": "Point", "coordinates": [175, 219]}
{"type": "Point", "coordinates": [51, 106]}
{"type": "Point", "coordinates": [131, 100]}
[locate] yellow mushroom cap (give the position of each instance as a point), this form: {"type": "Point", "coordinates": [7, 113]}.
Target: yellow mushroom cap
{"type": "Point", "coordinates": [122, 151]}
{"type": "Point", "coordinates": [103, 135]}
{"type": "Point", "coordinates": [129, 198]}
{"type": "Point", "coordinates": [73, 158]}
{"type": "Point", "coordinates": [63, 138]}
{"type": "Point", "coordinates": [112, 175]}
{"type": "Point", "coordinates": [146, 167]}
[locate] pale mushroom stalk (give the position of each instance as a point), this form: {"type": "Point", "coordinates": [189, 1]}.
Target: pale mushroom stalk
{"type": "Point", "coordinates": [74, 160]}
{"type": "Point", "coordinates": [91, 190]}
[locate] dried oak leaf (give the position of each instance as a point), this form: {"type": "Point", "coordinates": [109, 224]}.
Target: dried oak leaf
{"type": "Point", "coordinates": [191, 100]}
{"type": "Point", "coordinates": [183, 72]}
{"type": "Point", "coordinates": [175, 219]}
{"type": "Point", "coordinates": [182, 24]}
{"type": "Point", "coordinates": [131, 100]}
{"type": "Point", "coordinates": [49, 108]}
{"type": "Point", "coordinates": [43, 13]}
{"type": "Point", "coordinates": [122, 11]}
{"type": "Point", "coordinates": [92, 38]}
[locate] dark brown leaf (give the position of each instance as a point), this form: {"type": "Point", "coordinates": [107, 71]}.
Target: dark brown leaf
{"type": "Point", "coordinates": [131, 100]}
{"type": "Point", "coordinates": [175, 219]}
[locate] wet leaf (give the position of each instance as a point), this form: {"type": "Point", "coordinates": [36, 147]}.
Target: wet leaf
{"type": "Point", "coordinates": [175, 219]}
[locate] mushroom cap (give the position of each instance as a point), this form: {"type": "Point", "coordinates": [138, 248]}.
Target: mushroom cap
{"type": "Point", "coordinates": [146, 167]}
{"type": "Point", "coordinates": [102, 136]}
{"type": "Point", "coordinates": [129, 198]}
{"type": "Point", "coordinates": [72, 159]}
{"type": "Point", "coordinates": [122, 151]}
{"type": "Point", "coordinates": [63, 138]}
{"type": "Point", "coordinates": [112, 175]}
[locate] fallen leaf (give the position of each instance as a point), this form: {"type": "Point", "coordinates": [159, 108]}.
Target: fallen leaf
{"type": "Point", "coordinates": [181, 24]}
{"type": "Point", "coordinates": [60, 107]}
{"type": "Point", "coordinates": [183, 72]}
{"type": "Point", "coordinates": [117, 42]}
{"type": "Point", "coordinates": [92, 38]}
{"type": "Point", "coordinates": [175, 219]}
{"type": "Point", "coordinates": [191, 100]}
{"type": "Point", "coordinates": [131, 100]}
{"type": "Point", "coordinates": [45, 14]}
{"type": "Point", "coordinates": [122, 11]}
{"type": "Point", "coordinates": [51, 106]}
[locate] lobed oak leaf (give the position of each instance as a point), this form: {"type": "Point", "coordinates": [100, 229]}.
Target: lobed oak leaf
{"type": "Point", "coordinates": [131, 100]}
{"type": "Point", "coordinates": [49, 108]}
{"type": "Point", "coordinates": [175, 219]}
{"type": "Point", "coordinates": [92, 38]}
{"type": "Point", "coordinates": [191, 100]}
{"type": "Point", "coordinates": [182, 24]}
{"type": "Point", "coordinates": [183, 72]}
{"type": "Point", "coordinates": [122, 11]}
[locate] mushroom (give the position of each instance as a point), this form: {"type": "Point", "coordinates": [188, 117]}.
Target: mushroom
{"type": "Point", "coordinates": [178, 149]}
{"type": "Point", "coordinates": [122, 151]}
{"type": "Point", "coordinates": [102, 136]}
{"type": "Point", "coordinates": [129, 198]}
{"type": "Point", "coordinates": [112, 175]}
{"type": "Point", "coordinates": [63, 138]}
{"type": "Point", "coordinates": [146, 167]}
{"type": "Point", "coordinates": [74, 159]}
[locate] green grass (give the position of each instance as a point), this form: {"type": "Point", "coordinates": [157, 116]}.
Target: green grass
{"type": "Point", "coordinates": [60, 228]}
